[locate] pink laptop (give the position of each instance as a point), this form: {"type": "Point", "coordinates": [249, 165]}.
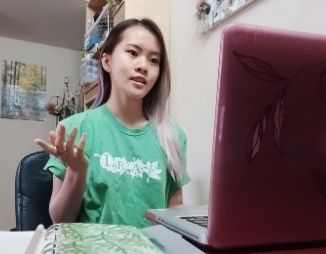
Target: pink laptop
{"type": "Point", "coordinates": [268, 178]}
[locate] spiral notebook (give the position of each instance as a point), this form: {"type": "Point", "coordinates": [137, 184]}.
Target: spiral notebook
{"type": "Point", "coordinates": [90, 238]}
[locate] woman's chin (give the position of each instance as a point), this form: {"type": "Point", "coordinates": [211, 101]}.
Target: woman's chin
{"type": "Point", "coordinates": [140, 95]}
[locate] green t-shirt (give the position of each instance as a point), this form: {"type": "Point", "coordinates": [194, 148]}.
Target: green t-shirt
{"type": "Point", "coordinates": [127, 171]}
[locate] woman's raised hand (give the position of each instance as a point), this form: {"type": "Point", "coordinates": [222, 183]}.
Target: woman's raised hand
{"type": "Point", "coordinates": [63, 147]}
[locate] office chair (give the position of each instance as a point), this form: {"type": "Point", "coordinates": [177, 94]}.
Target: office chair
{"type": "Point", "coordinates": [33, 188]}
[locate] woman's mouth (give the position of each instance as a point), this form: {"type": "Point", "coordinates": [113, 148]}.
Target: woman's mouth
{"type": "Point", "coordinates": [139, 80]}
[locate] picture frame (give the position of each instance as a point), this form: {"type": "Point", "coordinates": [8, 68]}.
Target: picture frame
{"type": "Point", "coordinates": [213, 12]}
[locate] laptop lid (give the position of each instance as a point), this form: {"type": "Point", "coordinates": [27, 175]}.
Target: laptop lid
{"type": "Point", "coordinates": [268, 182]}
{"type": "Point", "coordinates": [268, 178]}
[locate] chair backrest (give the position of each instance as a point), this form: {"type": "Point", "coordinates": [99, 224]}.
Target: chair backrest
{"type": "Point", "coordinates": [33, 188]}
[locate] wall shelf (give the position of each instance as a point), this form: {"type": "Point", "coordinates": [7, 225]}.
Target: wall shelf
{"type": "Point", "coordinates": [213, 12]}
{"type": "Point", "coordinates": [98, 31]}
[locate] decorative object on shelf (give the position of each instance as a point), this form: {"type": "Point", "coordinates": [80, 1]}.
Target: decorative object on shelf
{"type": "Point", "coordinates": [114, 3]}
{"type": "Point", "coordinates": [88, 70]}
{"type": "Point", "coordinates": [96, 5]}
{"type": "Point", "coordinates": [212, 12]}
{"type": "Point", "coordinates": [23, 91]}
{"type": "Point", "coordinates": [67, 105]}
{"type": "Point", "coordinates": [97, 30]}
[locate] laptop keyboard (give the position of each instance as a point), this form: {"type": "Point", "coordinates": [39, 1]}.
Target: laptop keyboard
{"type": "Point", "coordinates": [199, 220]}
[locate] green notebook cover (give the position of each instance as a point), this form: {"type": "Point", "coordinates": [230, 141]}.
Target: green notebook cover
{"type": "Point", "coordinates": [100, 238]}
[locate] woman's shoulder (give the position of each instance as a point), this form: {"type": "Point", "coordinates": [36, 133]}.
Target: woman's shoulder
{"type": "Point", "coordinates": [178, 130]}
{"type": "Point", "coordinates": [80, 119]}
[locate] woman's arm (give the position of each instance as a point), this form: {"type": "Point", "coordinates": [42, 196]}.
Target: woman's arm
{"type": "Point", "coordinates": [67, 195]}
{"type": "Point", "coordinates": [176, 199]}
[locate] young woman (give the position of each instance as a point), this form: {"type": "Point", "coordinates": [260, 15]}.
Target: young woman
{"type": "Point", "coordinates": [134, 157]}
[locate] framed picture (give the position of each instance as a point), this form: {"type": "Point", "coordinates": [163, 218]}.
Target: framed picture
{"type": "Point", "coordinates": [23, 91]}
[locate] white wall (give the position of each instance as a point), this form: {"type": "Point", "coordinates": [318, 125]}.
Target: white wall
{"type": "Point", "coordinates": [157, 10]}
{"type": "Point", "coordinates": [16, 136]}
{"type": "Point", "coordinates": [194, 65]}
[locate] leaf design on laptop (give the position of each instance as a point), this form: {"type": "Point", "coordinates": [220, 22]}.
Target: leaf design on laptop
{"type": "Point", "coordinates": [256, 136]}
{"type": "Point", "coordinates": [322, 85]}
{"type": "Point", "coordinates": [279, 118]}
{"type": "Point", "coordinates": [258, 68]}
{"type": "Point", "coordinates": [264, 71]}
{"type": "Point", "coordinates": [259, 128]}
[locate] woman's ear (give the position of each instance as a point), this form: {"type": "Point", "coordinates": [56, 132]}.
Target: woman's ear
{"type": "Point", "coordinates": [106, 63]}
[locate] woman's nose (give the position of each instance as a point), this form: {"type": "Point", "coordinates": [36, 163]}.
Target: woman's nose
{"type": "Point", "coordinates": [141, 65]}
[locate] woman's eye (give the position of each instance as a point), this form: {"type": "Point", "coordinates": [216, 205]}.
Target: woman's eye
{"type": "Point", "coordinates": [155, 61]}
{"type": "Point", "coordinates": [132, 52]}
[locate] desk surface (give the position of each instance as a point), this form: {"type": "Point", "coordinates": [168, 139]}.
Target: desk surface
{"type": "Point", "coordinates": [293, 251]}
{"type": "Point", "coordinates": [311, 250]}
{"type": "Point", "coordinates": [172, 243]}
{"type": "Point", "coordinates": [287, 250]}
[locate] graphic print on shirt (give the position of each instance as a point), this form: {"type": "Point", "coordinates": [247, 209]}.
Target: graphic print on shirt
{"type": "Point", "coordinates": [135, 168]}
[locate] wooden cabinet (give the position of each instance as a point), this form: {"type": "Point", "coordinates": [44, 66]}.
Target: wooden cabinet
{"type": "Point", "coordinates": [157, 10]}
{"type": "Point", "coordinates": [90, 92]}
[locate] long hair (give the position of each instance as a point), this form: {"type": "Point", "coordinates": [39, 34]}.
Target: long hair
{"type": "Point", "coordinates": [154, 103]}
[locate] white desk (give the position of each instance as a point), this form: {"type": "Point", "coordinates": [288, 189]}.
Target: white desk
{"type": "Point", "coordinates": [14, 242]}
{"type": "Point", "coordinates": [165, 239]}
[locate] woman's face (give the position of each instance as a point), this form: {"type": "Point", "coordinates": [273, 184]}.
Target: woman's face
{"type": "Point", "coordinates": [134, 65]}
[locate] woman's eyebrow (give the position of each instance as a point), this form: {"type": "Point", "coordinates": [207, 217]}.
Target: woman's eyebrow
{"type": "Point", "coordinates": [139, 48]}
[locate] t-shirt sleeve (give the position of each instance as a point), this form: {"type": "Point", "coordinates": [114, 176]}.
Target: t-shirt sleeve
{"type": "Point", "coordinates": [184, 178]}
{"type": "Point", "coordinates": [55, 165]}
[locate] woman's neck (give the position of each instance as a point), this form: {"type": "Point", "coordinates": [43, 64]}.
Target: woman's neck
{"type": "Point", "coordinates": [129, 112]}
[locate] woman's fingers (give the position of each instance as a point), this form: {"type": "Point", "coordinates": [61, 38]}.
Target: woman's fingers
{"type": "Point", "coordinates": [66, 150]}
{"type": "Point", "coordinates": [82, 143]}
{"type": "Point", "coordinates": [52, 137]}
{"type": "Point", "coordinates": [45, 146]}
{"type": "Point", "coordinates": [71, 140]}
{"type": "Point", "coordinates": [60, 140]}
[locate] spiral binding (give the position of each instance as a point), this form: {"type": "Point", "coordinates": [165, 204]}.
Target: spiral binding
{"type": "Point", "coordinates": [51, 236]}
